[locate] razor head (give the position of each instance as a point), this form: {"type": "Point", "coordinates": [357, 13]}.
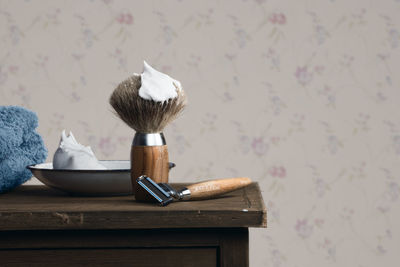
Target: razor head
{"type": "Point", "coordinates": [159, 194]}
{"type": "Point", "coordinates": [169, 189]}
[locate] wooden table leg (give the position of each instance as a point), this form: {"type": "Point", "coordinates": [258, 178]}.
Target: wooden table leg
{"type": "Point", "coordinates": [234, 247]}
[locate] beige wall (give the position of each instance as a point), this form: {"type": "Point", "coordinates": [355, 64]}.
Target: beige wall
{"type": "Point", "coordinates": [302, 96]}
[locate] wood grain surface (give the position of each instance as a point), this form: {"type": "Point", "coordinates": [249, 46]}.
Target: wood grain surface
{"type": "Point", "coordinates": [40, 207]}
{"type": "Point", "coordinates": [151, 161]}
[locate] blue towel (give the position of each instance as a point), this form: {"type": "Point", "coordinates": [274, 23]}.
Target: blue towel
{"type": "Point", "coordinates": [20, 146]}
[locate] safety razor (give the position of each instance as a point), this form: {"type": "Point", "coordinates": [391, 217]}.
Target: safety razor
{"type": "Point", "coordinates": [164, 193]}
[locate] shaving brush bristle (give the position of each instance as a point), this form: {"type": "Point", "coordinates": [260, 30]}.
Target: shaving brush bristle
{"type": "Point", "coordinates": [144, 116]}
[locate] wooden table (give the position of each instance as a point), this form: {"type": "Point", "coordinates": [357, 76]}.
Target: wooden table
{"type": "Point", "coordinates": [40, 226]}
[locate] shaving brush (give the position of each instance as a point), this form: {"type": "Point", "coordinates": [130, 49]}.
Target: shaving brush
{"type": "Point", "coordinates": [149, 152]}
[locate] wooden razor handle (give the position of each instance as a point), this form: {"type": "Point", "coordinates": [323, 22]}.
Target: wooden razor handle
{"type": "Point", "coordinates": [213, 188]}
{"type": "Point", "coordinates": [151, 161]}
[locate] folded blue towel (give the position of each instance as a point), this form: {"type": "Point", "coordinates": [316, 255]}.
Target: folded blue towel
{"type": "Point", "coordinates": [20, 146]}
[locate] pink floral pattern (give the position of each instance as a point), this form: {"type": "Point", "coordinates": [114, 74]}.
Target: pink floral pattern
{"type": "Point", "coordinates": [278, 171]}
{"type": "Point", "coordinates": [303, 76]}
{"type": "Point", "coordinates": [277, 18]}
{"type": "Point", "coordinates": [125, 18]}
{"type": "Point", "coordinates": [301, 96]}
{"type": "Point", "coordinates": [303, 228]}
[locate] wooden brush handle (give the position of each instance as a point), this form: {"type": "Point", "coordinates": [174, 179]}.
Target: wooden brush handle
{"type": "Point", "coordinates": [151, 161]}
{"type": "Point", "coordinates": [213, 188]}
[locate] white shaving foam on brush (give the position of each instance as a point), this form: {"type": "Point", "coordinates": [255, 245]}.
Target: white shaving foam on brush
{"type": "Point", "coordinates": [157, 86]}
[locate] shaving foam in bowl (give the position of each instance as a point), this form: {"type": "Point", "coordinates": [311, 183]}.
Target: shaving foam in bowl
{"type": "Point", "coordinates": [74, 156]}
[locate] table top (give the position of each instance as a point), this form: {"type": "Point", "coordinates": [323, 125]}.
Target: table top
{"type": "Point", "coordinates": [38, 207]}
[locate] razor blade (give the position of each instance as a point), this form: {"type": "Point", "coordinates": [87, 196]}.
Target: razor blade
{"type": "Point", "coordinates": [159, 194]}
{"type": "Point", "coordinates": [162, 192]}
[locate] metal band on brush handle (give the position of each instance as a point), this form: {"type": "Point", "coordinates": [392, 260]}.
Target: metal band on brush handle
{"type": "Point", "coordinates": [149, 139]}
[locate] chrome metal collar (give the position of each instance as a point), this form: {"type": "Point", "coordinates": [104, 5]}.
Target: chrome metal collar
{"type": "Point", "coordinates": [149, 139]}
{"type": "Point", "coordinates": [184, 194]}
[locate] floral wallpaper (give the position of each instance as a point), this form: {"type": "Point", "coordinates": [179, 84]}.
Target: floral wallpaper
{"type": "Point", "coordinates": [302, 96]}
